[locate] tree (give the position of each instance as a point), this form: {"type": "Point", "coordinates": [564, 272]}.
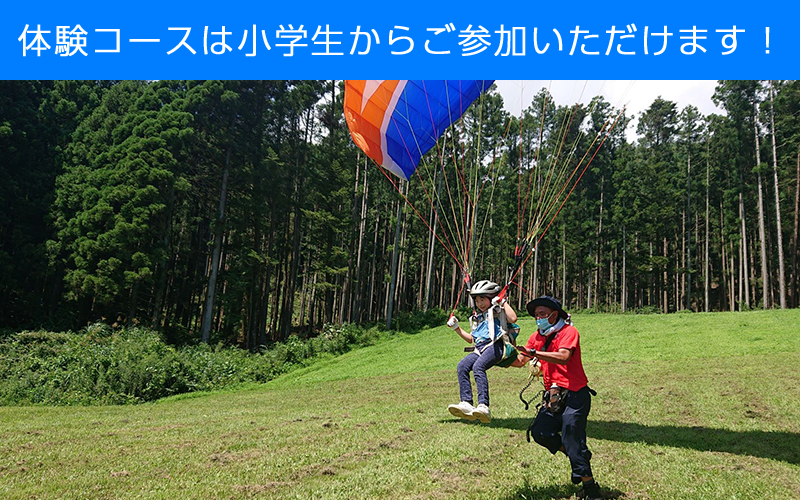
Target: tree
{"type": "Point", "coordinates": [738, 99]}
{"type": "Point", "coordinates": [781, 273]}
{"type": "Point", "coordinates": [691, 134]}
{"type": "Point", "coordinates": [112, 201]}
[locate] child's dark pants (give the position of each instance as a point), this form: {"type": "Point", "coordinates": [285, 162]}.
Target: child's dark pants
{"type": "Point", "coordinates": [490, 354]}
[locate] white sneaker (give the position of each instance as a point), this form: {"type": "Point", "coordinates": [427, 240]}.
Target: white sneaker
{"type": "Point", "coordinates": [462, 410]}
{"type": "Point", "coordinates": [482, 413]}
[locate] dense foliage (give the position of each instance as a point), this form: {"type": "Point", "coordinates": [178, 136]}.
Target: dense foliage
{"type": "Point", "coordinates": [102, 365]}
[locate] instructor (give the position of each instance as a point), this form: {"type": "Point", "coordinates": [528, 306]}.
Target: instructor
{"type": "Point", "coordinates": [560, 424]}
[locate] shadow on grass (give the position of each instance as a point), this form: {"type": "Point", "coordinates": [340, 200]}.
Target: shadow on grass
{"type": "Point", "coordinates": [783, 446]}
{"type": "Point", "coordinates": [554, 492]}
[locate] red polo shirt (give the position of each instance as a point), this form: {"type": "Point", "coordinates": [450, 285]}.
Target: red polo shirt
{"type": "Point", "coordinates": [571, 375]}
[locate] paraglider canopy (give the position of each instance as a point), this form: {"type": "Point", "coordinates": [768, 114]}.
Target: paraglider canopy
{"type": "Point", "coordinates": [395, 122]}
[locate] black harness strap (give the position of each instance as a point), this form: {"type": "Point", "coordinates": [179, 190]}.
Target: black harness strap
{"type": "Point", "coordinates": [527, 403]}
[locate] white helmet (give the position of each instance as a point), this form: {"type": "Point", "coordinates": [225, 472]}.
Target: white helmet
{"type": "Point", "coordinates": [485, 287]}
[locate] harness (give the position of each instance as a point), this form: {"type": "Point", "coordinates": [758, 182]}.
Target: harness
{"type": "Point", "coordinates": [507, 334]}
{"type": "Point", "coordinates": [534, 375]}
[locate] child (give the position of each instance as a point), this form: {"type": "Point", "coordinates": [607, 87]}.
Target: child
{"type": "Point", "coordinates": [488, 349]}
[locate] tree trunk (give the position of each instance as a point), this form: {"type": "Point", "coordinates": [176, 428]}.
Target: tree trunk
{"type": "Point", "coordinates": [346, 306]}
{"type": "Point", "coordinates": [291, 277]}
{"type": "Point", "coordinates": [781, 271]}
{"type": "Point", "coordinates": [395, 257]}
{"type": "Point", "coordinates": [650, 290]}
{"type": "Point", "coordinates": [665, 296]}
{"type": "Point", "coordinates": [280, 286]}
{"type": "Point", "coordinates": [599, 249]}
{"type": "Point", "coordinates": [696, 303]}
{"type": "Point", "coordinates": [688, 291]}
{"type": "Point", "coordinates": [402, 263]}
{"type": "Point", "coordinates": [304, 292]}
{"type": "Point", "coordinates": [589, 276]}
{"type": "Point", "coordinates": [611, 291]}
{"type": "Point", "coordinates": [131, 320]}
{"type": "Point", "coordinates": [362, 226]}
{"type": "Point", "coordinates": [706, 273]}
{"type": "Point", "coordinates": [220, 311]}
{"type": "Point", "coordinates": [264, 308]}
{"type": "Point", "coordinates": [727, 279]}
{"type": "Point", "coordinates": [208, 308]}
{"type": "Point", "coordinates": [535, 281]}
{"type": "Point", "coordinates": [312, 303]}
{"type": "Point", "coordinates": [680, 299]}
{"type": "Point", "coordinates": [744, 279]}
{"type": "Point", "coordinates": [796, 298]}
{"type": "Point", "coordinates": [431, 248]}
{"type": "Point", "coordinates": [453, 298]}
{"type": "Point", "coordinates": [564, 263]}
{"type": "Point", "coordinates": [761, 230]}
{"type": "Point", "coordinates": [624, 271]}
{"type": "Point", "coordinates": [752, 255]}
{"type": "Point", "coordinates": [164, 267]}
{"type": "Point", "coordinates": [637, 292]}
{"type": "Point", "coordinates": [372, 295]}
{"type": "Point", "coordinates": [253, 293]}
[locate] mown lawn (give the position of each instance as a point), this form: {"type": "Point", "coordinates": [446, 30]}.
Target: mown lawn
{"type": "Point", "coordinates": [690, 406]}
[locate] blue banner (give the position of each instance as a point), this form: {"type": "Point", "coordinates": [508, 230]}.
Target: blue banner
{"type": "Point", "coordinates": [401, 40]}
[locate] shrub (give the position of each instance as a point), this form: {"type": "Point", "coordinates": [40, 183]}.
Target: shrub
{"type": "Point", "coordinates": [103, 365]}
{"type": "Point", "coordinates": [415, 321]}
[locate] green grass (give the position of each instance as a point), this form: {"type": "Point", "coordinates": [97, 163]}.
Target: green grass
{"type": "Point", "coordinates": [690, 406]}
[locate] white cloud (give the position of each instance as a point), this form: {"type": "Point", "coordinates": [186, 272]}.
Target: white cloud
{"type": "Point", "coordinates": [637, 96]}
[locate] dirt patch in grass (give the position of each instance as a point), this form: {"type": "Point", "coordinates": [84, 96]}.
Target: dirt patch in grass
{"type": "Point", "coordinates": [22, 467]}
{"type": "Point", "coordinates": [227, 457]}
{"type": "Point", "coordinates": [448, 484]}
{"type": "Point", "coordinates": [321, 469]}
{"type": "Point", "coordinates": [356, 456]}
{"type": "Point", "coordinates": [390, 445]}
{"type": "Point", "coordinates": [448, 478]}
{"type": "Point", "coordinates": [182, 445]}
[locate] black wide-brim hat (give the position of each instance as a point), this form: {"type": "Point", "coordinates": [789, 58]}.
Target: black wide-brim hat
{"type": "Point", "coordinates": [546, 301]}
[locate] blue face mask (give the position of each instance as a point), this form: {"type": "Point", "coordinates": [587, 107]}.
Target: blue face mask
{"type": "Point", "coordinates": [543, 324]}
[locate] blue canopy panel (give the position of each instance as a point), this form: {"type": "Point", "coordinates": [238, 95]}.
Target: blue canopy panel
{"type": "Point", "coordinates": [397, 122]}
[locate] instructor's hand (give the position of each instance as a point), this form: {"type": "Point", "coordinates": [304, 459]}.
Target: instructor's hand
{"type": "Point", "coordinates": [525, 351]}
{"type": "Point", "coordinates": [535, 367]}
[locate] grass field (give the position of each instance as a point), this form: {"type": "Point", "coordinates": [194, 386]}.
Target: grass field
{"type": "Point", "coordinates": [689, 406]}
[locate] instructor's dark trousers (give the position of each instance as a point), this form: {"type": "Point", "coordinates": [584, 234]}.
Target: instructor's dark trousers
{"type": "Point", "coordinates": [567, 430]}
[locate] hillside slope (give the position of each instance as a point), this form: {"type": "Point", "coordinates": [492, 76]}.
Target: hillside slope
{"type": "Point", "coordinates": [692, 406]}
